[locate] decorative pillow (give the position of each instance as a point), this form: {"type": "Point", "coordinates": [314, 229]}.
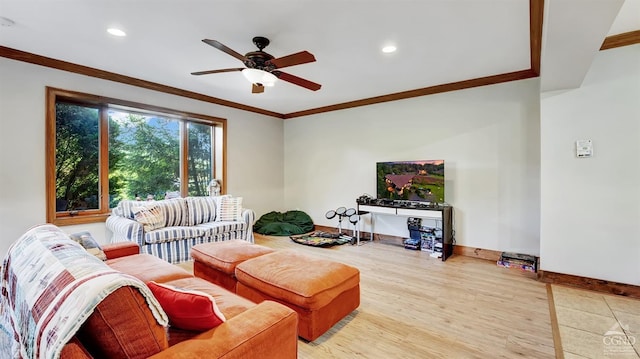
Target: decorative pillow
{"type": "Point", "coordinates": [174, 210]}
{"type": "Point", "coordinates": [187, 309]}
{"type": "Point", "coordinates": [200, 210]}
{"type": "Point", "coordinates": [151, 217]}
{"type": "Point", "coordinates": [229, 209]}
{"type": "Point", "coordinates": [89, 243]}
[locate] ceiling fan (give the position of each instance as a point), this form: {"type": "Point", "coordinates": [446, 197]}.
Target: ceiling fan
{"type": "Point", "coordinates": [262, 69]}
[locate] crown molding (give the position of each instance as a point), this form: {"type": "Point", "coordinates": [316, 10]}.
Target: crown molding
{"type": "Point", "coordinates": [624, 39]}
{"type": "Point", "coordinates": [536, 14]}
{"type": "Point", "coordinates": [35, 59]}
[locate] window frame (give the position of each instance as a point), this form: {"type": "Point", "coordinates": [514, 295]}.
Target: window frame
{"type": "Point", "coordinates": [53, 95]}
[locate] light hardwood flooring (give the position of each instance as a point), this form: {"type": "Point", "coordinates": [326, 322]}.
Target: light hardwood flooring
{"type": "Point", "coordinates": [416, 306]}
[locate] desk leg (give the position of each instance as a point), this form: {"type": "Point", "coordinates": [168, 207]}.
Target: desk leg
{"type": "Point", "coordinates": [359, 225]}
{"type": "Point", "coordinates": [357, 229]}
{"type": "Point", "coordinates": [372, 221]}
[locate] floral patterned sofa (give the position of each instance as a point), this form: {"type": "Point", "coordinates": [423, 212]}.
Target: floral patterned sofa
{"type": "Point", "coordinates": [169, 228]}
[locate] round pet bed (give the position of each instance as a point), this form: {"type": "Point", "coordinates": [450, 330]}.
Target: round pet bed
{"type": "Point", "coordinates": [284, 224]}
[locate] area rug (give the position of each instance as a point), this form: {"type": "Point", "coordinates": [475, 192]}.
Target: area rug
{"type": "Point", "coordinates": [322, 239]}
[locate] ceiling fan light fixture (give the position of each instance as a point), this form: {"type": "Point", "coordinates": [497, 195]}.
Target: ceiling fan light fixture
{"type": "Point", "coordinates": [256, 76]}
{"type": "Point", "coordinates": [389, 49]}
{"type": "Point", "coordinates": [116, 32]}
{"type": "Point", "coordinates": [6, 22]}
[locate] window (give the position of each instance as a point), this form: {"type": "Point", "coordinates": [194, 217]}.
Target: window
{"type": "Point", "coordinates": [199, 139]}
{"type": "Point", "coordinates": [101, 151]}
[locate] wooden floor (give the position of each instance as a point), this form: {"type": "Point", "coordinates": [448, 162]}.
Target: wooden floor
{"type": "Point", "coordinates": [416, 306]}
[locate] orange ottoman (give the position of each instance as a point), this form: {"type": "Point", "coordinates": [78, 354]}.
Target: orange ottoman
{"type": "Point", "coordinates": [217, 261]}
{"type": "Point", "coordinates": [322, 292]}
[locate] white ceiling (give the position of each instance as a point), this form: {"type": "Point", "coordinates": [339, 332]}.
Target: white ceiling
{"type": "Point", "coordinates": [573, 34]}
{"type": "Point", "coordinates": [438, 41]}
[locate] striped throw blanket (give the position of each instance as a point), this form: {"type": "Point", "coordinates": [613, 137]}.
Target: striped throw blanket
{"type": "Point", "coordinates": [49, 287]}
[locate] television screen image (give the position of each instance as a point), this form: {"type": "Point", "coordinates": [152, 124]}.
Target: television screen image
{"type": "Point", "coordinates": [421, 181]}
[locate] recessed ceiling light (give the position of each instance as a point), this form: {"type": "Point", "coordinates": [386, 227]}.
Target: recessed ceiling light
{"type": "Point", "coordinates": [116, 32]}
{"type": "Point", "coordinates": [389, 49]}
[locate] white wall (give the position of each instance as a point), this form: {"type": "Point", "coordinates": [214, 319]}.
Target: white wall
{"type": "Point", "coordinates": [488, 137]}
{"type": "Point", "coordinates": [511, 170]}
{"type": "Point", "coordinates": [254, 144]}
{"type": "Point", "coordinates": [590, 207]}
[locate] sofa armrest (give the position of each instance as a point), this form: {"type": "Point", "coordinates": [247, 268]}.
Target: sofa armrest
{"type": "Point", "coordinates": [268, 330]}
{"type": "Point", "coordinates": [120, 249]}
{"type": "Point", "coordinates": [249, 217]}
{"type": "Point", "coordinates": [125, 230]}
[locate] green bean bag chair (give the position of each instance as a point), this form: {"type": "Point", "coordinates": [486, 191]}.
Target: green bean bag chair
{"type": "Point", "coordinates": [284, 224]}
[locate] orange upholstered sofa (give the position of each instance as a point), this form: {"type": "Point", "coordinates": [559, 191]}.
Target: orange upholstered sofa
{"type": "Point", "coordinates": [122, 325]}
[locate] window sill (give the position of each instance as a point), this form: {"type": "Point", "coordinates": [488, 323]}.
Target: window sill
{"type": "Point", "coordinates": [80, 219]}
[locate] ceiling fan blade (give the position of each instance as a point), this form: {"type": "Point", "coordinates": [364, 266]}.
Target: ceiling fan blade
{"type": "Point", "coordinates": [218, 45]}
{"type": "Point", "coordinates": [297, 80]}
{"type": "Point", "coordinates": [216, 71]}
{"type": "Point", "coordinates": [255, 88]}
{"type": "Point", "coordinates": [298, 58]}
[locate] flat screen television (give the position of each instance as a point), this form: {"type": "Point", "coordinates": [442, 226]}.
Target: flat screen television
{"type": "Point", "coordinates": [421, 181]}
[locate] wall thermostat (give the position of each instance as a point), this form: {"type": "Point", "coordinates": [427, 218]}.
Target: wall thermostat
{"type": "Point", "coordinates": [584, 148]}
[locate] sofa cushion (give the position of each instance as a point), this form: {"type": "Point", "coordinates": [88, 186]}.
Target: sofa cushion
{"type": "Point", "coordinates": [282, 275]}
{"type": "Point", "coordinates": [74, 350]}
{"type": "Point", "coordinates": [169, 234]}
{"type": "Point", "coordinates": [215, 228]}
{"type": "Point", "coordinates": [175, 211]}
{"type": "Point", "coordinates": [200, 210]}
{"type": "Point", "coordinates": [124, 208]}
{"type": "Point", "coordinates": [123, 326]}
{"type": "Point", "coordinates": [225, 256]}
{"type": "Point", "coordinates": [150, 216]}
{"type": "Point", "coordinates": [148, 268]}
{"type": "Point", "coordinates": [187, 309]}
{"type": "Point", "coordinates": [229, 209]}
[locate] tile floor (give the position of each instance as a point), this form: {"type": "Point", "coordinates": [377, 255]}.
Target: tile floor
{"type": "Point", "coordinates": [597, 325]}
